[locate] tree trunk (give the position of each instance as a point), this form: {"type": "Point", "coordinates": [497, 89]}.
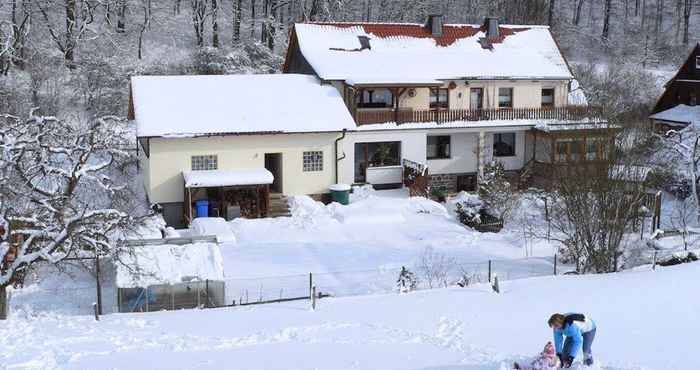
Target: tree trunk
{"type": "Point", "coordinates": [237, 17]}
{"type": "Point", "coordinates": [70, 42]}
{"type": "Point", "coordinates": [252, 19]}
{"type": "Point", "coordinates": [686, 20]}
{"type": "Point", "coordinates": [271, 26]}
{"type": "Point", "coordinates": [577, 13]}
{"type": "Point", "coordinates": [606, 19]}
{"type": "Point", "coordinates": [214, 23]}
{"type": "Point", "coordinates": [658, 24]}
{"type": "Point", "coordinates": [265, 21]}
{"type": "Point", "coordinates": [3, 303]}
{"type": "Point", "coordinates": [121, 16]}
{"type": "Point", "coordinates": [551, 13]}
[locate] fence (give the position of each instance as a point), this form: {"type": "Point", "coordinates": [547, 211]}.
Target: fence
{"type": "Point", "coordinates": [381, 280]}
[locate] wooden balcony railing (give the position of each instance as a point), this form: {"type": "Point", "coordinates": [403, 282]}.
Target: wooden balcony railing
{"type": "Point", "coordinates": [371, 116]}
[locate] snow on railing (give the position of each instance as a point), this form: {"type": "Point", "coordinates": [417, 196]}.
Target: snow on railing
{"type": "Point", "coordinates": [407, 115]}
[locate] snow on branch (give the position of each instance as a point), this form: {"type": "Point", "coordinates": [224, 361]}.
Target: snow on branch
{"type": "Point", "coordinates": [61, 192]}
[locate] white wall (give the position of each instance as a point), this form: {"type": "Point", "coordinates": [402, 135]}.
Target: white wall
{"type": "Point", "coordinates": [170, 157]}
{"type": "Point", "coordinates": [463, 148]}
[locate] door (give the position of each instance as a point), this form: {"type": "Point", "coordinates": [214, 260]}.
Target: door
{"type": "Point", "coordinates": [273, 163]}
{"type": "Point", "coordinates": [476, 98]}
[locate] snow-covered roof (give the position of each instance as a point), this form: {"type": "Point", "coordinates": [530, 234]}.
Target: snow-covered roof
{"type": "Point", "coordinates": [681, 113]}
{"type": "Point", "coordinates": [400, 52]}
{"type": "Point", "coordinates": [211, 178]}
{"type": "Point", "coordinates": [170, 264]}
{"type": "Point", "coordinates": [183, 106]}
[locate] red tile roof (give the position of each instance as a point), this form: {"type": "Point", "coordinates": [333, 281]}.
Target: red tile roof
{"type": "Point", "coordinates": [451, 32]}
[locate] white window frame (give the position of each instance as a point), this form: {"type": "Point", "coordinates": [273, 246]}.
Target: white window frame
{"type": "Point", "coordinates": [312, 161]}
{"type": "Point", "coordinates": [207, 162]}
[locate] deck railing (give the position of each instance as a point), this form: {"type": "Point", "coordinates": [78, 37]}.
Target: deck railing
{"type": "Point", "coordinates": [405, 115]}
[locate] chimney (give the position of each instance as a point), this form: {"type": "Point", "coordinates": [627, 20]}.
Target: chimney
{"type": "Point", "coordinates": [434, 24]}
{"type": "Point", "coordinates": [491, 25]}
{"type": "Point", "coordinates": [364, 43]}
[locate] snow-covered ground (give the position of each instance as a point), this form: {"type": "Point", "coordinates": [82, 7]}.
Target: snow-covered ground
{"type": "Point", "coordinates": [446, 329]}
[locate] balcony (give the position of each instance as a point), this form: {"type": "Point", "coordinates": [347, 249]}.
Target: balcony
{"type": "Point", "coordinates": [406, 115]}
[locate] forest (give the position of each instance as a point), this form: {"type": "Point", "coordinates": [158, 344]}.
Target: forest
{"type": "Point", "coordinates": [74, 57]}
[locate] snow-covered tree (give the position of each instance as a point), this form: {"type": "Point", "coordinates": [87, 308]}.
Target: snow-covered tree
{"type": "Point", "coordinates": [681, 150]}
{"type": "Point", "coordinates": [59, 193]}
{"type": "Point", "coordinates": [495, 191]}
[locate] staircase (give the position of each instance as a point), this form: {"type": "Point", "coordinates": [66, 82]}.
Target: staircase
{"type": "Point", "coordinates": [278, 206]}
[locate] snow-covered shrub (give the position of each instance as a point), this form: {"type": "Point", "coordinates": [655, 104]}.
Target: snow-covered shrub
{"type": "Point", "coordinates": [469, 210]}
{"type": "Point", "coordinates": [438, 194]}
{"type": "Point", "coordinates": [495, 191]}
{"type": "Point", "coordinates": [407, 281]}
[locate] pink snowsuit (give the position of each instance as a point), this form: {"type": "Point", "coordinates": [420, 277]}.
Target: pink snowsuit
{"type": "Point", "coordinates": [547, 360]}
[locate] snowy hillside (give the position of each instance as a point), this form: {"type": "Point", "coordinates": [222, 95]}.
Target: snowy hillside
{"type": "Point", "coordinates": [467, 329]}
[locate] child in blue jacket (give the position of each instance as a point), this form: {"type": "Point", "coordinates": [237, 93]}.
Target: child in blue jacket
{"type": "Point", "coordinates": [579, 331]}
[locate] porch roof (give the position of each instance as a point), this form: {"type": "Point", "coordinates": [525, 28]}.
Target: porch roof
{"type": "Point", "coordinates": [394, 82]}
{"type": "Point", "coordinates": [682, 114]}
{"type": "Point", "coordinates": [558, 126]}
{"type": "Point", "coordinates": [216, 178]}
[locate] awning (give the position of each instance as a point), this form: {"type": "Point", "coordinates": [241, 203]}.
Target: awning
{"type": "Point", "coordinates": [215, 178]}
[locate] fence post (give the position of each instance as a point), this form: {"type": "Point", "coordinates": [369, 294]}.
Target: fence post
{"type": "Point", "coordinates": [555, 264]}
{"type": "Point", "coordinates": [495, 286]}
{"type": "Point", "coordinates": [147, 299]}
{"type": "Point", "coordinates": [313, 298]}
{"type": "Point", "coordinates": [311, 283]}
{"type": "Point", "coordinates": [96, 310]}
{"type": "Point", "coordinates": [653, 266]}
{"type": "Point", "coordinates": [489, 271]}
{"type": "Point", "coordinates": [98, 285]}
{"type": "Point", "coordinates": [206, 293]}
{"type": "Point", "coordinates": [172, 298]}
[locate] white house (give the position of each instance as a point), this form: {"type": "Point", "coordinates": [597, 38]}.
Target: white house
{"type": "Point", "coordinates": [235, 141]}
{"type": "Point", "coordinates": [452, 96]}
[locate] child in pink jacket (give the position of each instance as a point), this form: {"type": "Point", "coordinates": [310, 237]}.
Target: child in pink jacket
{"type": "Point", "coordinates": [547, 360]}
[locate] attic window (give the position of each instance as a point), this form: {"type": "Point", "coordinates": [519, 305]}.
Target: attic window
{"type": "Point", "coordinates": [697, 62]}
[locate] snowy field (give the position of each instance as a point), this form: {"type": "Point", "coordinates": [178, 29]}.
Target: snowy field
{"type": "Point", "coordinates": [444, 329]}
{"type": "Point", "coordinates": [351, 250]}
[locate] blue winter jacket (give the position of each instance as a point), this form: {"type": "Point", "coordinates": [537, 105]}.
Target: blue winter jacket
{"type": "Point", "coordinates": [573, 328]}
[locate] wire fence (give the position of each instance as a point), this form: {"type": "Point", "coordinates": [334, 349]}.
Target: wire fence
{"type": "Point", "coordinates": [430, 274]}
{"type": "Point", "coordinates": [382, 280]}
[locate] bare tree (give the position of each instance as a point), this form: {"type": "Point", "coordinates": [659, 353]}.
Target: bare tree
{"type": "Point", "coordinates": [215, 23]}
{"type": "Point", "coordinates": [78, 18]}
{"type": "Point", "coordinates": [199, 17]}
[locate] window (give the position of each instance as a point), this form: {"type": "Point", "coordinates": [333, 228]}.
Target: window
{"type": "Point", "coordinates": [313, 161]}
{"type": "Point", "coordinates": [596, 148]}
{"type": "Point", "coordinates": [380, 154]}
{"type": "Point", "coordinates": [569, 150]}
{"type": "Point", "coordinates": [376, 98]}
{"type": "Point", "coordinates": [438, 147]}
{"type": "Point", "coordinates": [504, 145]}
{"type": "Point", "coordinates": [439, 98]}
{"type": "Point", "coordinates": [547, 98]}
{"type": "Point", "coordinates": [697, 62]}
{"type": "Point", "coordinates": [476, 98]}
{"type": "Point", "coordinates": [505, 97]}
{"type": "Point", "coordinates": [204, 162]}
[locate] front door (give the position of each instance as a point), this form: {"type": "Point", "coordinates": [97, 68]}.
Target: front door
{"type": "Point", "coordinates": [476, 98]}
{"type": "Point", "coordinates": [273, 163]}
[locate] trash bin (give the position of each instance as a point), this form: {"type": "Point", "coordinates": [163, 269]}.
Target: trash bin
{"type": "Point", "coordinates": [202, 208]}
{"type": "Point", "coordinates": [340, 193]}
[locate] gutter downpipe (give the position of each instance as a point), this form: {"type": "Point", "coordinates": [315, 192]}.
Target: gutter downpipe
{"type": "Point", "coordinates": [337, 160]}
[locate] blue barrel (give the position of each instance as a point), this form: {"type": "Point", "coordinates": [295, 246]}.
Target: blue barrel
{"type": "Point", "coordinates": [202, 208]}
